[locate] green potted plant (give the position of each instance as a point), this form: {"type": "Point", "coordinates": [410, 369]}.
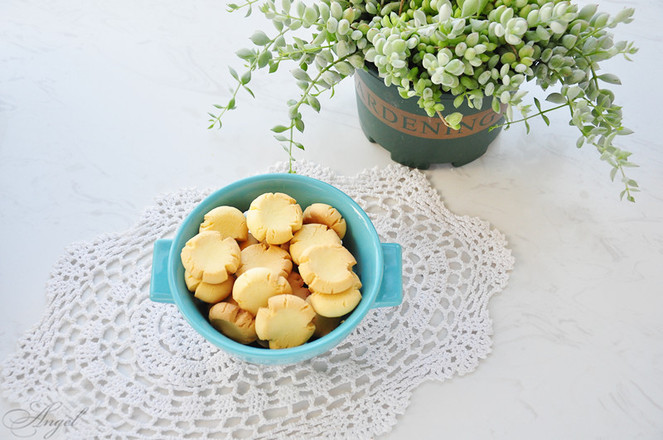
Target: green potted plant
{"type": "Point", "coordinates": [447, 60]}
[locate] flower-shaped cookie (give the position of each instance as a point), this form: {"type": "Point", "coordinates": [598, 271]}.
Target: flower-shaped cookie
{"type": "Point", "coordinates": [274, 217]}
{"type": "Point", "coordinates": [310, 235]}
{"type": "Point", "coordinates": [327, 269]}
{"type": "Point", "coordinates": [285, 322]}
{"type": "Point", "coordinates": [297, 284]}
{"type": "Point", "coordinates": [228, 220]}
{"type": "Point", "coordinates": [191, 282]}
{"type": "Point", "coordinates": [254, 287]}
{"type": "Point", "coordinates": [213, 293]}
{"type": "Point", "coordinates": [264, 255]}
{"type": "Point", "coordinates": [233, 322]}
{"type": "Point", "coordinates": [326, 215]}
{"type": "Point", "coordinates": [206, 292]}
{"type": "Point", "coordinates": [336, 304]}
{"type": "Point", "coordinates": [210, 258]}
{"type": "Point", "coordinates": [250, 240]}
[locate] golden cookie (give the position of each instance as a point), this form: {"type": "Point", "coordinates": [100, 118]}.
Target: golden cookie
{"type": "Point", "coordinates": [210, 257]}
{"type": "Point", "coordinates": [265, 255]}
{"type": "Point", "coordinates": [228, 220]}
{"type": "Point", "coordinates": [334, 305]}
{"type": "Point", "coordinates": [250, 240]}
{"type": "Point", "coordinates": [230, 300]}
{"type": "Point", "coordinates": [254, 287]}
{"type": "Point", "coordinates": [325, 215]}
{"type": "Point", "coordinates": [311, 235]}
{"type": "Point", "coordinates": [285, 322]}
{"type": "Point", "coordinates": [191, 282]}
{"type": "Point", "coordinates": [327, 269]}
{"type": "Point", "coordinates": [297, 285]}
{"type": "Point", "coordinates": [274, 217]}
{"type": "Point", "coordinates": [213, 293]}
{"type": "Point", "coordinates": [357, 282]}
{"type": "Point", "coordinates": [233, 322]}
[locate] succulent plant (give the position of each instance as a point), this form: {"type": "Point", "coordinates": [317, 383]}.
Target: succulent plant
{"type": "Point", "coordinates": [472, 49]}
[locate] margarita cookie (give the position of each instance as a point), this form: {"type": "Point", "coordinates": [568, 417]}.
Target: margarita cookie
{"type": "Point", "coordinates": [233, 322]}
{"type": "Point", "coordinates": [230, 300]}
{"type": "Point", "coordinates": [327, 269]}
{"type": "Point", "coordinates": [311, 235]}
{"type": "Point", "coordinates": [297, 285]}
{"type": "Point", "coordinates": [191, 282]}
{"type": "Point", "coordinates": [254, 287]}
{"type": "Point", "coordinates": [273, 258]}
{"type": "Point", "coordinates": [210, 258]}
{"type": "Point", "coordinates": [248, 242]}
{"type": "Point", "coordinates": [274, 217]}
{"type": "Point", "coordinates": [334, 305]}
{"type": "Point", "coordinates": [357, 281]}
{"type": "Point", "coordinates": [227, 220]}
{"type": "Point", "coordinates": [214, 293]}
{"type": "Point", "coordinates": [285, 322]}
{"type": "Point", "coordinates": [326, 215]}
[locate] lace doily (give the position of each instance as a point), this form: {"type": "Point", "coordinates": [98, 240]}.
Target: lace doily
{"type": "Point", "coordinates": [116, 365]}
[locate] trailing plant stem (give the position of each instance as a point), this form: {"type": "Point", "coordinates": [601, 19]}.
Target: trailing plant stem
{"type": "Point", "coordinates": [216, 119]}
{"type": "Point", "coordinates": [294, 110]}
{"type": "Point", "coordinates": [508, 123]}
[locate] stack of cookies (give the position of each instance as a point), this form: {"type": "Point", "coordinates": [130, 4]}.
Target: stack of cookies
{"type": "Point", "coordinates": [277, 276]}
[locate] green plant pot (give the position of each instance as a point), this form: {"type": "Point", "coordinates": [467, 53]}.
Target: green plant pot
{"type": "Point", "coordinates": [411, 136]}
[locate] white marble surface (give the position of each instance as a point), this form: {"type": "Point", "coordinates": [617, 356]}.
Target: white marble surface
{"type": "Point", "coordinates": [103, 107]}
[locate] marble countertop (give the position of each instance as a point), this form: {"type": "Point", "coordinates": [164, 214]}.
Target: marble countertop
{"type": "Point", "coordinates": [103, 107]}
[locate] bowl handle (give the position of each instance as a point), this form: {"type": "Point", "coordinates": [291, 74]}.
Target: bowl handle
{"type": "Point", "coordinates": [391, 289]}
{"type": "Point", "coordinates": [159, 289]}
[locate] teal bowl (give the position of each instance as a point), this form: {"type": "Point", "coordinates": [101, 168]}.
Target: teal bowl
{"type": "Point", "coordinates": [379, 264]}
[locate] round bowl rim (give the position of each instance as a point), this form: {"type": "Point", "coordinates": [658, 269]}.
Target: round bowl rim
{"type": "Point", "coordinates": [309, 349]}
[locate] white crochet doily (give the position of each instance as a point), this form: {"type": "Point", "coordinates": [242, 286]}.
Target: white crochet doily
{"type": "Point", "coordinates": [134, 369]}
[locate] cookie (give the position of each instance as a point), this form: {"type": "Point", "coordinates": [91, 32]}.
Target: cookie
{"type": "Point", "coordinates": [264, 255]}
{"type": "Point", "coordinates": [229, 299]}
{"type": "Point", "coordinates": [326, 215]}
{"type": "Point", "coordinates": [227, 220]}
{"type": "Point", "coordinates": [233, 322]}
{"type": "Point", "coordinates": [210, 257]}
{"type": "Point", "coordinates": [334, 305]}
{"type": "Point", "coordinates": [191, 282]}
{"type": "Point", "coordinates": [254, 287]}
{"type": "Point", "coordinates": [297, 285]}
{"type": "Point", "coordinates": [327, 269]}
{"type": "Point", "coordinates": [274, 217]}
{"type": "Point", "coordinates": [285, 322]}
{"type": "Point", "coordinates": [213, 293]}
{"type": "Point", "coordinates": [310, 235]}
{"type": "Point", "coordinates": [250, 240]}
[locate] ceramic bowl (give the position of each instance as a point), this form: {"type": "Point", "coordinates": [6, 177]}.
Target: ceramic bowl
{"type": "Point", "coordinates": [378, 264]}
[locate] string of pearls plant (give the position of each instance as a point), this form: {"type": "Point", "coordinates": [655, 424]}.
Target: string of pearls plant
{"type": "Point", "coordinates": [472, 49]}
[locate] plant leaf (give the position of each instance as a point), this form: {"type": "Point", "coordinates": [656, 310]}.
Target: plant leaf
{"type": "Point", "coordinates": [259, 38]}
{"type": "Point", "coordinates": [537, 104]}
{"type": "Point", "coordinates": [556, 98]}
{"type": "Point", "coordinates": [454, 119]}
{"type": "Point", "coordinates": [609, 78]}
